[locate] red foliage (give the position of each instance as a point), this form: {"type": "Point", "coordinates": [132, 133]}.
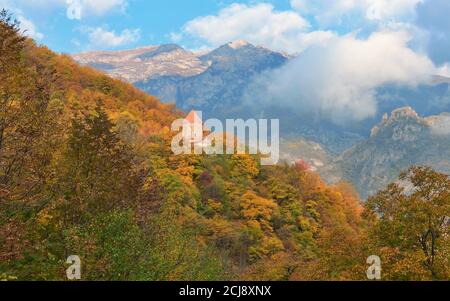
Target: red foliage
{"type": "Point", "coordinates": [302, 165]}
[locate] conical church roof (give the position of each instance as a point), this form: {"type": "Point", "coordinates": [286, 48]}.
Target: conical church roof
{"type": "Point", "coordinates": [193, 117]}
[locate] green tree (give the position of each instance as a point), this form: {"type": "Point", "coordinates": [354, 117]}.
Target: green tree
{"type": "Point", "coordinates": [96, 169]}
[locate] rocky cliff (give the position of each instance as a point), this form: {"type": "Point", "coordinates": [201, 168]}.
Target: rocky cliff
{"type": "Point", "coordinates": [401, 140]}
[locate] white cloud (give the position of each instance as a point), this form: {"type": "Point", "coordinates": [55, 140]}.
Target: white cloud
{"type": "Point", "coordinates": [100, 38]}
{"type": "Point", "coordinates": [332, 11]}
{"type": "Point", "coordinates": [29, 28]}
{"type": "Point", "coordinates": [339, 79]}
{"type": "Point", "coordinates": [259, 24]}
{"type": "Point", "coordinates": [385, 9]}
{"type": "Point", "coordinates": [77, 9]}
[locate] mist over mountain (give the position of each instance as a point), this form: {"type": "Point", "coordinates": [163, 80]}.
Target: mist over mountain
{"type": "Point", "coordinates": [216, 83]}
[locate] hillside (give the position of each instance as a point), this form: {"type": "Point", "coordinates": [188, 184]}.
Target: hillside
{"type": "Point", "coordinates": [86, 169]}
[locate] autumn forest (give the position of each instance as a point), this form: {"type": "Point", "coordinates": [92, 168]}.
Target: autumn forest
{"type": "Point", "coordinates": [86, 168]}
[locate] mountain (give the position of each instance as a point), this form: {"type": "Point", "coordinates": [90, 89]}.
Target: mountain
{"type": "Point", "coordinates": [401, 140]}
{"type": "Point", "coordinates": [210, 82]}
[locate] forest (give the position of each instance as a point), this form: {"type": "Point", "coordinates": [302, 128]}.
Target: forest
{"type": "Point", "coordinates": [86, 169]}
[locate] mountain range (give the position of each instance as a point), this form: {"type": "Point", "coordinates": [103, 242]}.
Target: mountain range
{"type": "Point", "coordinates": [368, 154]}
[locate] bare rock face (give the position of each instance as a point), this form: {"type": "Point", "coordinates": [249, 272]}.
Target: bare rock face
{"type": "Point", "coordinates": [401, 140]}
{"type": "Point", "coordinates": [145, 63]}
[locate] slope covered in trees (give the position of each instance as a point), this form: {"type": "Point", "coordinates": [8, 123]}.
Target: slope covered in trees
{"type": "Point", "coordinates": [86, 169]}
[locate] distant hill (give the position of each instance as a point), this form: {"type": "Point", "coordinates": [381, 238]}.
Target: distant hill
{"type": "Point", "coordinates": [145, 63]}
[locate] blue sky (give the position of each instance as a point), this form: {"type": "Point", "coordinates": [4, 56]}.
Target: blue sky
{"type": "Point", "coordinates": [155, 20]}
{"type": "Point", "coordinates": [72, 26]}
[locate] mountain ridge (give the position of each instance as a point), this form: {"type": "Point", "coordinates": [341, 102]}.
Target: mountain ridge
{"type": "Point", "coordinates": [145, 62]}
{"type": "Point", "coordinates": [212, 82]}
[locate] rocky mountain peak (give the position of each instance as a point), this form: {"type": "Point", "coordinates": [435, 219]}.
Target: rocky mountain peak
{"type": "Point", "coordinates": [402, 139]}
{"type": "Point", "coordinates": [403, 113]}
{"type": "Point", "coordinates": [405, 125]}
{"type": "Point", "coordinates": [241, 49]}
{"type": "Point", "coordinates": [398, 119]}
{"type": "Point", "coordinates": [236, 48]}
{"type": "Point", "coordinates": [242, 58]}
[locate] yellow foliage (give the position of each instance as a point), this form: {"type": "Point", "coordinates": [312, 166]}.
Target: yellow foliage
{"type": "Point", "coordinates": [44, 218]}
{"type": "Point", "coordinates": [215, 206]}
{"type": "Point", "coordinates": [257, 208]}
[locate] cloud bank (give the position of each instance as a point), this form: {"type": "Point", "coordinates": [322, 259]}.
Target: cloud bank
{"type": "Point", "coordinates": [339, 79]}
